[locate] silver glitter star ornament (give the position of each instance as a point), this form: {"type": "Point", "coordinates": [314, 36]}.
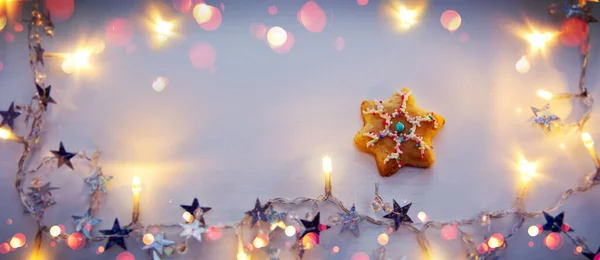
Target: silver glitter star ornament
{"type": "Point", "coordinates": [350, 221]}
{"type": "Point", "coordinates": [192, 229]}
{"type": "Point", "coordinates": [85, 223]}
{"type": "Point", "coordinates": [159, 243]}
{"type": "Point", "coordinates": [97, 181]}
{"type": "Point", "coordinates": [543, 117]}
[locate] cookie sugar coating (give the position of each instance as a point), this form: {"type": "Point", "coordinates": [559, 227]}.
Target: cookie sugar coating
{"type": "Point", "coordinates": [397, 132]}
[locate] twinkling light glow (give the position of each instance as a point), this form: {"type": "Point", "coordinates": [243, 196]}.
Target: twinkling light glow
{"type": "Point", "coordinates": [260, 241]}
{"type": "Point", "coordinates": [496, 240]}
{"type": "Point", "coordinates": [554, 241]}
{"type": "Point", "coordinates": [136, 184]}
{"type": "Point", "coordinates": [67, 66]}
{"type": "Point", "coordinates": [422, 216]}
{"type": "Point", "coordinates": [312, 17]}
{"type": "Point", "coordinates": [449, 232]}
{"type": "Point", "coordinates": [160, 83]}
{"type": "Point", "coordinates": [5, 134]}
{"type": "Point", "coordinates": [523, 65]}
{"type": "Point", "coordinates": [76, 241]}
{"type": "Point", "coordinates": [287, 46]}
{"type": "Point", "coordinates": [148, 239]}
{"type": "Point", "coordinates": [208, 17]}
{"type": "Point", "coordinates": [309, 240]}
{"type": "Point", "coordinates": [18, 240]}
{"type": "Point", "coordinates": [407, 17]}
{"type": "Point", "coordinates": [383, 239]}
{"type": "Point", "coordinates": [587, 139]}
{"type": "Point", "coordinates": [125, 256]}
{"type": "Point", "coordinates": [578, 250]}
{"type": "Point", "coordinates": [290, 231]}
{"type": "Point", "coordinates": [276, 36]}
{"type": "Point", "coordinates": [527, 170]}
{"type": "Point", "coordinates": [451, 20]}
{"type": "Point", "coordinates": [482, 248]}
{"type": "Point", "coordinates": [4, 248]}
{"type": "Point", "coordinates": [327, 166]}
{"type": "Point", "coordinates": [80, 59]}
{"type": "Point", "coordinates": [188, 217]}
{"type": "Point", "coordinates": [539, 40]}
{"type": "Point", "coordinates": [335, 249]}
{"type": "Point", "coordinates": [544, 94]}
{"type": "Point", "coordinates": [202, 13]}
{"type": "Point", "coordinates": [362, 2]}
{"type": "Point", "coordinates": [360, 256]}
{"type": "Point", "coordinates": [55, 231]}
{"type": "Point", "coordinates": [163, 29]}
{"type": "Point", "coordinates": [100, 250]}
{"type": "Point", "coordinates": [533, 231]}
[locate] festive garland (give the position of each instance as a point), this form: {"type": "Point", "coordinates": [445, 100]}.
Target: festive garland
{"type": "Point", "coordinates": [263, 218]}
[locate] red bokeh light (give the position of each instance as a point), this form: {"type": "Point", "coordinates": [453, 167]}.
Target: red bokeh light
{"type": "Point", "coordinates": [449, 232]}
{"type": "Point", "coordinates": [203, 56]}
{"type": "Point", "coordinates": [125, 256]}
{"type": "Point", "coordinates": [60, 10]}
{"type": "Point", "coordinates": [76, 241]}
{"type": "Point", "coordinates": [360, 256]}
{"type": "Point", "coordinates": [312, 17]}
{"type": "Point", "coordinates": [9, 37]}
{"type": "Point", "coordinates": [286, 47]}
{"type": "Point", "coordinates": [339, 43]}
{"type": "Point", "coordinates": [18, 27]}
{"type": "Point", "coordinates": [272, 10]}
{"type": "Point", "coordinates": [362, 2]}
{"type": "Point", "coordinates": [554, 241]}
{"type": "Point", "coordinates": [119, 32]}
{"type": "Point", "coordinates": [183, 6]}
{"type": "Point", "coordinates": [574, 32]}
{"type": "Point", "coordinates": [215, 20]}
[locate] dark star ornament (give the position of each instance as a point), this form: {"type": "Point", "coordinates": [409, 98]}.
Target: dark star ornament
{"type": "Point", "coordinates": [313, 226]}
{"type": "Point", "coordinates": [64, 157]}
{"type": "Point", "coordinates": [8, 116]}
{"type": "Point", "coordinates": [38, 56]}
{"type": "Point", "coordinates": [399, 215]}
{"type": "Point", "coordinates": [554, 224]}
{"type": "Point", "coordinates": [43, 96]}
{"type": "Point", "coordinates": [116, 235]}
{"type": "Point", "coordinates": [197, 211]}
{"type": "Point", "coordinates": [258, 212]}
{"type": "Point", "coordinates": [592, 256]}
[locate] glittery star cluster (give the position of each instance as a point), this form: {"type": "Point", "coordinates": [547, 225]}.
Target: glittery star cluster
{"type": "Point", "coordinates": [398, 133]}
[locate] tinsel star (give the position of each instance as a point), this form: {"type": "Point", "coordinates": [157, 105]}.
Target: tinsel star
{"type": "Point", "coordinates": [399, 215]}
{"type": "Point", "coordinates": [590, 255]}
{"type": "Point", "coordinates": [197, 211]}
{"type": "Point", "coordinates": [44, 95]}
{"type": "Point", "coordinates": [116, 235]}
{"type": "Point", "coordinates": [97, 181]}
{"type": "Point", "coordinates": [159, 243]}
{"type": "Point", "coordinates": [192, 229]}
{"type": "Point", "coordinates": [155, 256]}
{"type": "Point", "coordinates": [63, 157]}
{"type": "Point", "coordinates": [8, 116]}
{"type": "Point", "coordinates": [543, 117]}
{"type": "Point", "coordinates": [41, 198]}
{"type": "Point", "coordinates": [258, 212]}
{"type": "Point", "coordinates": [554, 224]}
{"type": "Point", "coordinates": [85, 223]}
{"type": "Point", "coordinates": [581, 11]}
{"type": "Point", "coordinates": [39, 54]}
{"type": "Point", "coordinates": [350, 221]}
{"type": "Point", "coordinates": [313, 225]}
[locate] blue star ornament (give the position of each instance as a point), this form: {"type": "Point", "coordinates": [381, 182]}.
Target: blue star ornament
{"type": "Point", "coordinates": [258, 212]}
{"type": "Point", "coordinates": [43, 95]}
{"type": "Point", "coordinates": [350, 221]}
{"type": "Point", "coordinates": [192, 229]}
{"type": "Point", "coordinates": [543, 117]}
{"type": "Point", "coordinates": [85, 223]}
{"type": "Point", "coordinates": [313, 226]}
{"type": "Point", "coordinates": [399, 215]}
{"type": "Point", "coordinates": [159, 243]}
{"type": "Point", "coordinates": [554, 224]}
{"type": "Point", "coordinates": [9, 116]}
{"type": "Point", "coordinates": [64, 157]}
{"type": "Point", "coordinates": [116, 235]}
{"type": "Point", "coordinates": [97, 181]}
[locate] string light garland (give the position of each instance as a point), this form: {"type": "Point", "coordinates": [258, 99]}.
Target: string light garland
{"type": "Point", "coordinates": [264, 217]}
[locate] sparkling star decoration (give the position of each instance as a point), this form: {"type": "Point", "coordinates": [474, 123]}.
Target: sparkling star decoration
{"type": "Point", "coordinates": [399, 215]}
{"type": "Point", "coordinates": [350, 221]}
{"type": "Point", "coordinates": [192, 229]}
{"type": "Point", "coordinates": [197, 211]}
{"type": "Point", "coordinates": [116, 235]}
{"type": "Point", "coordinates": [590, 255]}
{"type": "Point", "coordinates": [97, 181]}
{"type": "Point", "coordinates": [44, 96]}
{"type": "Point", "coordinates": [85, 223]}
{"type": "Point", "coordinates": [41, 198]}
{"type": "Point", "coordinates": [258, 212]}
{"type": "Point", "coordinates": [159, 243]}
{"type": "Point", "coordinates": [313, 226]}
{"type": "Point", "coordinates": [554, 224]}
{"type": "Point", "coordinates": [8, 116]}
{"type": "Point", "coordinates": [64, 157]}
{"type": "Point", "coordinates": [39, 54]}
{"type": "Point", "coordinates": [543, 117]}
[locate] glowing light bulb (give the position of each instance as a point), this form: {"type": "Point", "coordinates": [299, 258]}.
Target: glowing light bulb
{"type": "Point", "coordinates": [545, 94]}
{"type": "Point", "coordinates": [260, 241]}
{"type": "Point", "coordinates": [290, 231]}
{"type": "Point", "coordinates": [327, 167]}
{"type": "Point", "coordinates": [67, 66]}
{"type": "Point", "coordinates": [55, 231]}
{"type": "Point", "coordinates": [523, 65]}
{"type": "Point", "coordinates": [202, 12]}
{"type": "Point", "coordinates": [587, 139]}
{"type": "Point", "coordinates": [5, 133]}
{"type": "Point", "coordinates": [496, 240]}
{"type": "Point", "coordinates": [136, 184]}
{"type": "Point", "coordinates": [148, 239]}
{"type": "Point", "coordinates": [527, 170]}
{"type": "Point", "coordinates": [539, 40]}
{"type": "Point", "coordinates": [80, 59]}
{"type": "Point", "coordinates": [276, 36]}
{"type": "Point", "coordinates": [533, 231]}
{"type": "Point", "coordinates": [188, 217]}
{"type": "Point", "coordinates": [422, 216]}
{"type": "Point", "coordinates": [407, 17]}
{"type": "Point", "coordinates": [163, 27]}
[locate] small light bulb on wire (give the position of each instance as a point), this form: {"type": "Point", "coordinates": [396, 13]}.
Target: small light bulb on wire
{"type": "Point", "coordinates": [545, 94]}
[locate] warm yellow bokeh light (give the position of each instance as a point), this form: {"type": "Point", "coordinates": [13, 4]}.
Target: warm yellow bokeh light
{"type": "Point", "coordinates": [422, 216]}
{"type": "Point", "coordinates": [278, 224]}
{"type": "Point", "coordinates": [327, 167]}
{"type": "Point", "coordinates": [81, 58]}
{"type": "Point", "coordinates": [276, 36]}
{"type": "Point", "coordinates": [3, 21]}
{"type": "Point", "coordinates": [383, 239]}
{"type": "Point", "coordinates": [55, 231]}
{"type": "Point", "coordinates": [407, 17]}
{"type": "Point", "coordinates": [290, 231]}
{"type": "Point", "coordinates": [533, 231]}
{"type": "Point", "coordinates": [163, 27]}
{"type": "Point", "coordinates": [202, 12]}
{"type": "Point", "coordinates": [260, 241]}
{"type": "Point", "coordinates": [188, 217]}
{"type": "Point", "coordinates": [67, 66]}
{"type": "Point", "coordinates": [523, 65]}
{"type": "Point", "coordinates": [496, 240]}
{"type": "Point", "coordinates": [587, 139]}
{"type": "Point", "coordinates": [5, 133]}
{"type": "Point", "coordinates": [539, 40]}
{"type": "Point", "coordinates": [136, 184]}
{"type": "Point", "coordinates": [545, 94]}
{"type": "Point", "coordinates": [527, 170]}
{"type": "Point", "coordinates": [148, 239]}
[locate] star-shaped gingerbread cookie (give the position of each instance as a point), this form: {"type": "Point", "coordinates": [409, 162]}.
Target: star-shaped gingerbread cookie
{"type": "Point", "coordinates": [398, 133]}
